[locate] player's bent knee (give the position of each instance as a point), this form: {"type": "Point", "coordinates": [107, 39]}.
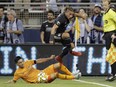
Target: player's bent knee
{"type": "Point", "coordinates": [57, 66]}
{"type": "Point", "coordinates": [72, 45]}
{"type": "Point", "coordinates": [65, 35]}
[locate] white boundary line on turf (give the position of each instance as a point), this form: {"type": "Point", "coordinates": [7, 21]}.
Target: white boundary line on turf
{"type": "Point", "coordinates": [94, 83]}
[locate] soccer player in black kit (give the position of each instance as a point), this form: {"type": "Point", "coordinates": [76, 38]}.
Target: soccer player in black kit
{"type": "Point", "coordinates": [58, 33]}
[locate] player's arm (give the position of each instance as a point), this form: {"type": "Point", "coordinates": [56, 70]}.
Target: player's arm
{"type": "Point", "coordinates": [42, 60]}
{"type": "Point", "coordinates": [57, 23]}
{"type": "Point", "coordinates": [42, 37]}
{"type": "Point", "coordinates": [15, 78]}
{"type": "Point", "coordinates": [42, 33]}
{"type": "Point", "coordinates": [53, 30]}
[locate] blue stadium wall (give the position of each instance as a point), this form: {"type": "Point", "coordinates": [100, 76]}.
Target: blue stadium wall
{"type": "Point", "coordinates": [92, 62]}
{"type": "Point", "coordinates": [32, 35]}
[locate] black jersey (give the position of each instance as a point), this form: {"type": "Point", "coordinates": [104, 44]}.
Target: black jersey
{"type": "Point", "coordinates": [62, 22]}
{"type": "Point", "coordinates": [46, 28]}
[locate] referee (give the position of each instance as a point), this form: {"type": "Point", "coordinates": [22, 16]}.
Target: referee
{"type": "Point", "coordinates": [109, 27]}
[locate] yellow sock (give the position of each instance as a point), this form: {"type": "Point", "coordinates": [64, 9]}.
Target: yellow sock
{"type": "Point", "coordinates": [64, 69]}
{"type": "Point", "coordinates": [66, 77]}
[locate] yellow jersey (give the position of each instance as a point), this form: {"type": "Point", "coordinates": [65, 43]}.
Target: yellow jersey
{"type": "Point", "coordinates": [28, 73]}
{"type": "Point", "coordinates": [109, 20]}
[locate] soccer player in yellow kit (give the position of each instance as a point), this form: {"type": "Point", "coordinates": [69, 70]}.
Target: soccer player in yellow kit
{"type": "Point", "coordinates": [28, 73]}
{"type": "Point", "coordinates": [109, 27]}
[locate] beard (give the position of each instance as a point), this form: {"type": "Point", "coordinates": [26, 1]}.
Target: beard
{"type": "Point", "coordinates": [50, 19]}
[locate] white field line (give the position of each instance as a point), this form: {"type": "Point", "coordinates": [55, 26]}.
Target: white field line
{"type": "Point", "coordinates": [93, 83]}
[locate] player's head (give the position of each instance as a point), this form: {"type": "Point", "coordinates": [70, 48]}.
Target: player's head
{"type": "Point", "coordinates": [106, 4]}
{"type": "Point", "coordinates": [1, 11]}
{"type": "Point", "coordinates": [50, 15]}
{"type": "Point", "coordinates": [19, 61]}
{"type": "Point", "coordinates": [69, 12]}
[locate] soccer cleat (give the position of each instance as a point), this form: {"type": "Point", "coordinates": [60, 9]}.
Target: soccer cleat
{"type": "Point", "coordinates": [75, 73]}
{"type": "Point", "coordinates": [75, 53]}
{"type": "Point", "coordinates": [111, 78]}
{"type": "Point", "coordinates": [78, 75]}
{"type": "Point", "coordinates": [58, 58]}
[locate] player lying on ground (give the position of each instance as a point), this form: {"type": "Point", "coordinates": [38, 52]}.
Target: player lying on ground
{"type": "Point", "coordinates": [28, 73]}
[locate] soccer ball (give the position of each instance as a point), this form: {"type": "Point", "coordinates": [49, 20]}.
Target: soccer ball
{"type": "Point", "coordinates": [42, 77]}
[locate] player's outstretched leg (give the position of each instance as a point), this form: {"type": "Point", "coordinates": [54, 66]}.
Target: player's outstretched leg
{"type": "Point", "coordinates": [69, 45]}
{"type": "Point", "coordinates": [68, 74]}
{"type": "Point", "coordinates": [61, 67]}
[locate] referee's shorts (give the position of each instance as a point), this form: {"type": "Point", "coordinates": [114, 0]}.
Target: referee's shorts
{"type": "Point", "coordinates": [108, 39]}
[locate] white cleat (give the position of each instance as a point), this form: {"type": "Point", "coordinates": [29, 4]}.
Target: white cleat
{"type": "Point", "coordinates": [77, 74]}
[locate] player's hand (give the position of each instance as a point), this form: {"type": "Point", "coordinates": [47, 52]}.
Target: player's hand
{"type": "Point", "coordinates": [10, 81]}
{"type": "Point", "coordinates": [52, 56]}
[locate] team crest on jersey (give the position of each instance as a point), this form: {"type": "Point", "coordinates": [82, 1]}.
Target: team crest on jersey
{"type": "Point", "coordinates": [58, 23]}
{"type": "Point", "coordinates": [46, 25]}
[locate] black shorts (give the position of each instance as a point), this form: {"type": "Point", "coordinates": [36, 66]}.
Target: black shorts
{"type": "Point", "coordinates": [108, 39]}
{"type": "Point", "coordinates": [58, 38]}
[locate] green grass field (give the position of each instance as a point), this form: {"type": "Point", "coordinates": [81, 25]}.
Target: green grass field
{"type": "Point", "coordinates": [83, 82]}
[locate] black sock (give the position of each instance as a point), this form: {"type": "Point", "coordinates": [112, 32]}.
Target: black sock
{"type": "Point", "coordinates": [65, 51]}
{"type": "Point", "coordinates": [113, 67]}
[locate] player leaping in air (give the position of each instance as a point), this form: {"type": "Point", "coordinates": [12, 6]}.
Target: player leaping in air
{"type": "Point", "coordinates": [58, 33]}
{"type": "Point", "coordinates": [28, 73]}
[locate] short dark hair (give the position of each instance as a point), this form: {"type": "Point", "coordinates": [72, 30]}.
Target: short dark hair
{"type": "Point", "coordinates": [50, 11]}
{"type": "Point", "coordinates": [2, 7]}
{"type": "Point", "coordinates": [68, 8]}
{"type": "Point", "coordinates": [17, 59]}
